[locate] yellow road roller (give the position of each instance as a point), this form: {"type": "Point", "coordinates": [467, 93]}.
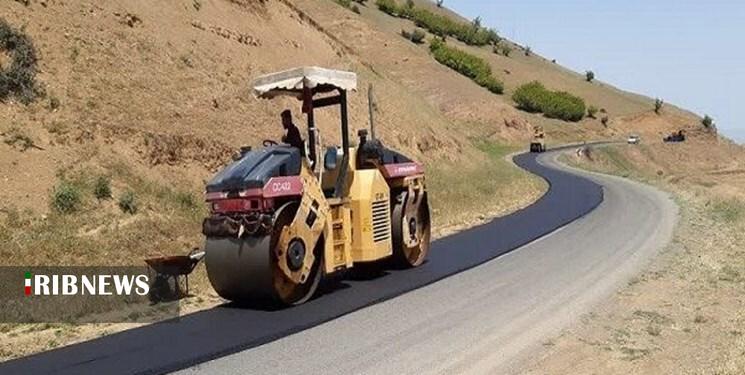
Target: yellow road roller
{"type": "Point", "coordinates": [281, 219]}
{"type": "Point", "coordinates": [538, 144]}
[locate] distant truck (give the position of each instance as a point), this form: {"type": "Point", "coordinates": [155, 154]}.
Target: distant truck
{"type": "Point", "coordinates": [538, 144]}
{"type": "Point", "coordinates": [679, 136]}
{"type": "Point", "coordinates": [633, 139]}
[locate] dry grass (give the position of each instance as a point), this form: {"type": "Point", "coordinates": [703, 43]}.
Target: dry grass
{"type": "Point", "coordinates": [98, 233]}
{"type": "Point", "coordinates": [686, 312]}
{"type": "Point", "coordinates": [18, 139]}
{"type": "Point", "coordinates": [466, 195]}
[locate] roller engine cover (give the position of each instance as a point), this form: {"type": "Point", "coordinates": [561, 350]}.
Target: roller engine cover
{"type": "Point", "coordinates": [255, 168]}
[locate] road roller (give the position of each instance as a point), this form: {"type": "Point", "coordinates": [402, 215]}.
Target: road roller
{"type": "Point", "coordinates": [538, 144]}
{"type": "Point", "coordinates": [282, 218]}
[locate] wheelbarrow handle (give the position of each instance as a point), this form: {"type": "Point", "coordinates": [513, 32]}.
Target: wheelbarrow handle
{"type": "Point", "coordinates": [196, 256]}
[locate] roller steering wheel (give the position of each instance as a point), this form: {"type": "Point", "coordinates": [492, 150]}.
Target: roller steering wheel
{"type": "Point", "coordinates": [269, 143]}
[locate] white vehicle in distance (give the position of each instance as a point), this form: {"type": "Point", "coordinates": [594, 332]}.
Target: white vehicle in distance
{"type": "Point", "coordinates": [633, 139]}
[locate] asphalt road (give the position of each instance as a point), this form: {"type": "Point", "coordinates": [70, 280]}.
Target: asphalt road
{"type": "Point", "coordinates": [464, 322]}
{"type": "Point", "coordinates": [493, 317]}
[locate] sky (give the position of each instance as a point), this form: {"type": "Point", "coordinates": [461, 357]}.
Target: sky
{"type": "Point", "coordinates": [689, 53]}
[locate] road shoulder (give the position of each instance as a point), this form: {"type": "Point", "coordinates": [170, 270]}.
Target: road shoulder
{"type": "Point", "coordinates": [684, 314]}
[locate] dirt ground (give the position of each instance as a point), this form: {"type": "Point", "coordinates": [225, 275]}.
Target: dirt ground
{"type": "Point", "coordinates": [686, 313]}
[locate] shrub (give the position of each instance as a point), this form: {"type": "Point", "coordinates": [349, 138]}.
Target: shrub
{"type": "Point", "coordinates": [490, 83]}
{"type": "Point", "coordinates": [54, 103]}
{"type": "Point", "coordinates": [534, 97]}
{"type": "Point", "coordinates": [564, 106]}
{"type": "Point", "coordinates": [658, 103]}
{"type": "Point", "coordinates": [707, 122]}
{"type": "Point", "coordinates": [502, 49]}
{"type": "Point", "coordinates": [17, 138]}
{"type": "Point", "coordinates": [730, 211]}
{"type": "Point", "coordinates": [464, 63]}
{"type": "Point", "coordinates": [388, 6]}
{"type": "Point", "coordinates": [186, 200]}
{"type": "Point", "coordinates": [440, 25]}
{"type": "Point", "coordinates": [439, 3]}
{"type": "Point", "coordinates": [476, 22]}
{"type": "Point", "coordinates": [348, 4]}
{"type": "Point", "coordinates": [19, 79]}
{"type": "Point", "coordinates": [654, 330]}
{"type": "Point", "coordinates": [66, 198]}
{"type": "Point", "coordinates": [102, 188]}
{"type": "Point", "coordinates": [417, 36]}
{"type": "Point", "coordinates": [530, 97]}
{"type": "Point", "coordinates": [589, 75]}
{"type": "Point", "coordinates": [128, 203]}
{"type": "Point", "coordinates": [506, 50]}
{"type": "Point", "coordinates": [592, 111]}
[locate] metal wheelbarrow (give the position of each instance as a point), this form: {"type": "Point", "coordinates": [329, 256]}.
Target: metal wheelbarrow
{"type": "Point", "coordinates": [168, 270]}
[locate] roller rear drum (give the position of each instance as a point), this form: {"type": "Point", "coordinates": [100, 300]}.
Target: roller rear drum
{"type": "Point", "coordinates": [411, 232]}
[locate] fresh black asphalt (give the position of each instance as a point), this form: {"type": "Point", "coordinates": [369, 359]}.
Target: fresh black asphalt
{"type": "Point", "coordinates": [210, 334]}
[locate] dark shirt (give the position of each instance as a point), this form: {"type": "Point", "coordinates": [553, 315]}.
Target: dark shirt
{"type": "Point", "coordinates": [293, 137]}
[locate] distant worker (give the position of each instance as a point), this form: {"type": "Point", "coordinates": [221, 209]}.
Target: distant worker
{"type": "Point", "coordinates": [292, 137]}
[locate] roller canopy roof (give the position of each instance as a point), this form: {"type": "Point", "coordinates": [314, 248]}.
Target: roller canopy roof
{"type": "Point", "coordinates": [292, 82]}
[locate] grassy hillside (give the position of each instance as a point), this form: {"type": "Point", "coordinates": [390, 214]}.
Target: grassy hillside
{"type": "Point", "coordinates": [156, 98]}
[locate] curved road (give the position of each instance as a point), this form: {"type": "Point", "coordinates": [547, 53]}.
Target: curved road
{"type": "Point", "coordinates": [489, 319]}
{"type": "Point", "coordinates": [484, 320]}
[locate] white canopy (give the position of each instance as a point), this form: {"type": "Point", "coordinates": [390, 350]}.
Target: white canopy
{"type": "Point", "coordinates": [292, 82]}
